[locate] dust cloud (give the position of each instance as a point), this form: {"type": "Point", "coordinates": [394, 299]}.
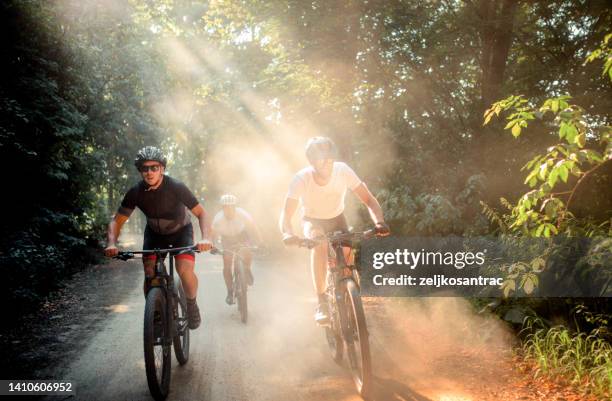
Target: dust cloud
{"type": "Point", "coordinates": [441, 346]}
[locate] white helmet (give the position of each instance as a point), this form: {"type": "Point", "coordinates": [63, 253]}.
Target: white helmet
{"type": "Point", "coordinates": [228, 200]}
{"type": "Point", "coordinates": [321, 147]}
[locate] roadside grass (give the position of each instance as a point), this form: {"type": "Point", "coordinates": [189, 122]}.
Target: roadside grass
{"type": "Point", "coordinates": [585, 360]}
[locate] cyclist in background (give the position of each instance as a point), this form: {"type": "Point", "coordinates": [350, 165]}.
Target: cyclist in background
{"type": "Point", "coordinates": [235, 227]}
{"type": "Point", "coordinates": [166, 203]}
{"type": "Point", "coordinates": [321, 188]}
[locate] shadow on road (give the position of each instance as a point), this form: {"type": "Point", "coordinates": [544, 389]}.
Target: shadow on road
{"type": "Point", "coordinates": [393, 390]}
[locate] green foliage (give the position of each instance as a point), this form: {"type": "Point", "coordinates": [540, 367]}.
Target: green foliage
{"type": "Point", "coordinates": [603, 52]}
{"type": "Point", "coordinates": [583, 358]}
{"type": "Point", "coordinates": [63, 123]}
{"type": "Point", "coordinates": [523, 275]}
{"type": "Point", "coordinates": [435, 214]}
{"type": "Point", "coordinates": [544, 211]}
{"type": "Point", "coordinates": [502, 221]}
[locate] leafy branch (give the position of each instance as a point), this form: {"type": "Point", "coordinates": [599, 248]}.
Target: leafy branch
{"type": "Point", "coordinates": [543, 210]}
{"type": "Point", "coordinates": [604, 51]}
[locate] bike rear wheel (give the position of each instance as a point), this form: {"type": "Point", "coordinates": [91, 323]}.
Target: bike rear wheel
{"type": "Point", "coordinates": [356, 340]}
{"type": "Point", "coordinates": [157, 352]}
{"type": "Point", "coordinates": [241, 291]}
{"type": "Point", "coordinates": [181, 340]}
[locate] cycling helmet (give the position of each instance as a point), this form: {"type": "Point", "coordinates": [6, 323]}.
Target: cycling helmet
{"type": "Point", "coordinates": [320, 147]}
{"type": "Point", "coordinates": [228, 200]}
{"type": "Point", "coordinates": [149, 153]}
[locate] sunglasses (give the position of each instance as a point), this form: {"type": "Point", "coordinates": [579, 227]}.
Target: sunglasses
{"type": "Point", "coordinates": [144, 169]}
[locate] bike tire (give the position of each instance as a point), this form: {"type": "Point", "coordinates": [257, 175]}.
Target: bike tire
{"type": "Point", "coordinates": [332, 333]}
{"type": "Point", "coordinates": [181, 340]}
{"type": "Point", "coordinates": [243, 306]}
{"type": "Point", "coordinates": [357, 340]}
{"type": "Point", "coordinates": [157, 365]}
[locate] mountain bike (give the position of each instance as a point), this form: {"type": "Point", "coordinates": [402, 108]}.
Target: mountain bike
{"type": "Point", "coordinates": [239, 280]}
{"type": "Point", "coordinates": [165, 320]}
{"type": "Point", "coordinates": [347, 328]}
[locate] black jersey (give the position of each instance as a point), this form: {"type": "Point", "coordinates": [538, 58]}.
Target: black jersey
{"type": "Point", "coordinates": [167, 207]}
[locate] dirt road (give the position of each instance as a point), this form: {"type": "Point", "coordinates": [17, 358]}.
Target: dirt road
{"type": "Point", "coordinates": [279, 353]}
{"type": "Point", "coordinates": [422, 349]}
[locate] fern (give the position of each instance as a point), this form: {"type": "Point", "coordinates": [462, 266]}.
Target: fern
{"type": "Point", "coordinates": [493, 216]}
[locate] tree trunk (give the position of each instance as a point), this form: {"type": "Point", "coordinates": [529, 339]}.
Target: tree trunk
{"type": "Point", "coordinates": [497, 21]}
{"type": "Point", "coordinates": [110, 201]}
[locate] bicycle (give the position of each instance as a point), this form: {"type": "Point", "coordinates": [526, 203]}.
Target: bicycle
{"type": "Point", "coordinates": [239, 282]}
{"type": "Point", "coordinates": [165, 320]}
{"type": "Point", "coordinates": [347, 328]}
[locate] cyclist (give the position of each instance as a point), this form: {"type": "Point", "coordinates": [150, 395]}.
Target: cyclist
{"type": "Point", "coordinates": [235, 227]}
{"type": "Point", "coordinates": [321, 188]}
{"type": "Point", "coordinates": [165, 202]}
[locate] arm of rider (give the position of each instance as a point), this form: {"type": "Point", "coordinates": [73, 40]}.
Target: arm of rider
{"type": "Point", "coordinates": [214, 236]}
{"type": "Point", "coordinates": [114, 228]}
{"type": "Point", "coordinates": [205, 243]}
{"type": "Point", "coordinates": [291, 206]}
{"type": "Point", "coordinates": [376, 213]}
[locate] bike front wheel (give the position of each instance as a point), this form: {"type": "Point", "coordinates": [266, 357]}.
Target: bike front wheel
{"type": "Point", "coordinates": [356, 340]}
{"type": "Point", "coordinates": [157, 352]}
{"type": "Point", "coordinates": [333, 330]}
{"type": "Point", "coordinates": [181, 340]}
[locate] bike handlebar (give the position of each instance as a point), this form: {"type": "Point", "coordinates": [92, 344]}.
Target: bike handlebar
{"type": "Point", "coordinates": [336, 237]}
{"type": "Point", "coordinates": [219, 251]}
{"type": "Point", "coordinates": [126, 255]}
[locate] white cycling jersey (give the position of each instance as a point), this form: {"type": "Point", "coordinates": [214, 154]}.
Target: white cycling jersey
{"type": "Point", "coordinates": [323, 201]}
{"type": "Point", "coordinates": [231, 227]}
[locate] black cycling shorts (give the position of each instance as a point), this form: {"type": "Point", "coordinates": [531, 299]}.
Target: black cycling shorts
{"type": "Point", "coordinates": [183, 237]}
{"type": "Point", "coordinates": [334, 224]}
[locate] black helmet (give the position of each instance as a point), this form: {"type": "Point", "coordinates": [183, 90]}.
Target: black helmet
{"type": "Point", "coordinates": [149, 153]}
{"type": "Point", "coordinates": [320, 147]}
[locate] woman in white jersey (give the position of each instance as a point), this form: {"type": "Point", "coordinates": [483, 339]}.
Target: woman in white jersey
{"type": "Point", "coordinates": [235, 228]}
{"type": "Point", "coordinates": [321, 187]}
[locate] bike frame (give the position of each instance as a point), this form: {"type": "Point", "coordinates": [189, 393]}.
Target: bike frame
{"type": "Point", "coordinates": [236, 276]}
{"type": "Point", "coordinates": [235, 254]}
{"type": "Point", "coordinates": [165, 281]}
{"type": "Point", "coordinates": [239, 287]}
{"type": "Point", "coordinates": [343, 291]}
{"type": "Point", "coordinates": [339, 272]}
{"type": "Point", "coordinates": [163, 296]}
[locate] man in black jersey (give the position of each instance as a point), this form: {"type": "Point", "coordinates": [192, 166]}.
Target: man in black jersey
{"type": "Point", "coordinates": [166, 203]}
